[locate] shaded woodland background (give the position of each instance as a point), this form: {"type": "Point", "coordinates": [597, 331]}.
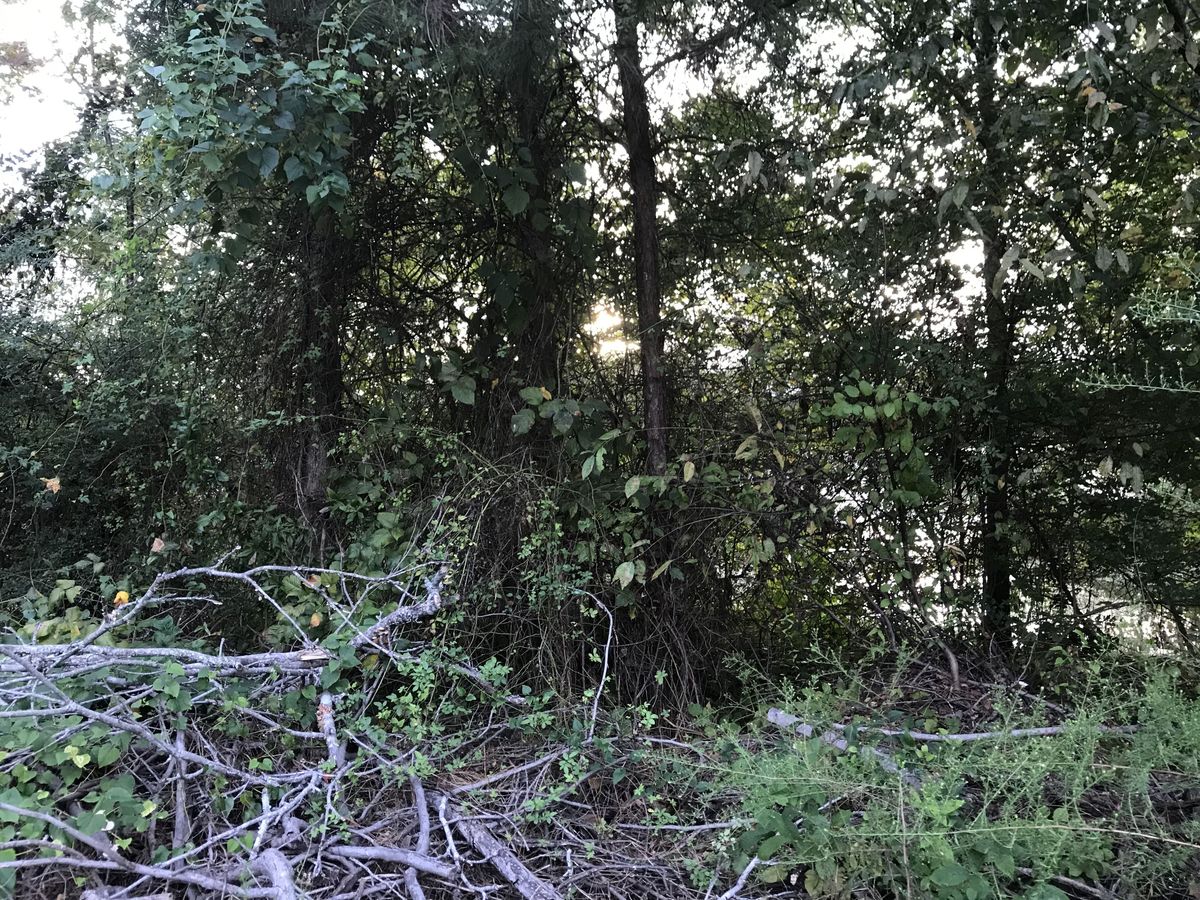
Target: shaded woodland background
{"type": "Point", "coordinates": [707, 346]}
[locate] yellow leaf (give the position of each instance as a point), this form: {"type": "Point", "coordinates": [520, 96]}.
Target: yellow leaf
{"type": "Point", "coordinates": [53, 485]}
{"type": "Point", "coordinates": [689, 470]}
{"type": "Point", "coordinates": [315, 621]}
{"type": "Point", "coordinates": [546, 394]}
{"type": "Point", "coordinates": [313, 581]}
{"type": "Point", "coordinates": [158, 546]}
{"type": "Point", "coordinates": [121, 598]}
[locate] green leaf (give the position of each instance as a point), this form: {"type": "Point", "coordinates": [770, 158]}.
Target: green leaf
{"type": "Point", "coordinates": [107, 754]}
{"type": "Point", "coordinates": [516, 199]}
{"type": "Point", "coordinates": [523, 421]}
{"type": "Point", "coordinates": [270, 159]}
{"type": "Point", "coordinates": [532, 395]}
{"type": "Point", "coordinates": [91, 822]}
{"type": "Point", "coordinates": [771, 846]}
{"type": "Point", "coordinates": [563, 420]}
{"type": "Point", "coordinates": [951, 874]}
{"type": "Point", "coordinates": [588, 465]}
{"type": "Point", "coordinates": [463, 390]}
{"type": "Point", "coordinates": [293, 168]}
{"type": "Point", "coordinates": [624, 574]}
{"type": "Point", "coordinates": [632, 485]}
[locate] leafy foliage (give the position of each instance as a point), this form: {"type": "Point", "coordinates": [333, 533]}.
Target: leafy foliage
{"type": "Point", "coordinates": [857, 326]}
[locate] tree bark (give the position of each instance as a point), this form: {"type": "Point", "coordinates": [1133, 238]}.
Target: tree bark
{"type": "Point", "coordinates": [321, 344]}
{"type": "Point", "coordinates": [636, 117]}
{"type": "Point", "coordinates": [997, 547]}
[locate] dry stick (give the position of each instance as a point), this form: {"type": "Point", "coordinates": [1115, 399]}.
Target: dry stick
{"type": "Point", "coordinates": [741, 881]}
{"type": "Point", "coordinates": [193, 661]}
{"type": "Point", "coordinates": [405, 614]}
{"type": "Point", "coordinates": [928, 737]}
{"type": "Point", "coordinates": [604, 670]}
{"type": "Point", "coordinates": [888, 764]}
{"type": "Point", "coordinates": [544, 760]}
{"type": "Point", "coordinates": [113, 860]}
{"type": "Point", "coordinates": [834, 739]}
{"type": "Point", "coordinates": [280, 813]}
{"type": "Point", "coordinates": [419, 804]}
{"type": "Point", "coordinates": [417, 861]}
{"type": "Point", "coordinates": [502, 859]}
{"type": "Point", "coordinates": [180, 834]}
{"type": "Point", "coordinates": [481, 680]}
{"type": "Point", "coordinates": [45, 664]}
{"type": "Point", "coordinates": [273, 865]}
{"type": "Point", "coordinates": [777, 717]}
{"type": "Point", "coordinates": [136, 728]}
{"type": "Point", "coordinates": [337, 753]}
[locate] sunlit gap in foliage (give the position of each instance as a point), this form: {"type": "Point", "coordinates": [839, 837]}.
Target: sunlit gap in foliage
{"type": "Point", "coordinates": [607, 329]}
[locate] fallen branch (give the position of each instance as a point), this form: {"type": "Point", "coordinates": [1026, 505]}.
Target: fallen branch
{"type": "Point", "coordinates": [834, 739]}
{"type": "Point", "coordinates": [502, 859]}
{"type": "Point", "coordinates": [741, 880]}
{"type": "Point", "coordinates": [420, 807]}
{"type": "Point", "coordinates": [1048, 731]}
{"type": "Point", "coordinates": [325, 721]}
{"type": "Point", "coordinates": [420, 862]}
{"type": "Point", "coordinates": [404, 615]}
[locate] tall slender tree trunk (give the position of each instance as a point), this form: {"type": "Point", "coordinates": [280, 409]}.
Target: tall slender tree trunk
{"type": "Point", "coordinates": [530, 86]}
{"type": "Point", "coordinates": [321, 343]}
{"type": "Point", "coordinates": [645, 232]}
{"type": "Point", "coordinates": [997, 545]}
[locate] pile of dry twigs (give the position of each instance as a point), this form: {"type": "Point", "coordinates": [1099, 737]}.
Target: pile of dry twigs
{"type": "Point", "coordinates": [252, 776]}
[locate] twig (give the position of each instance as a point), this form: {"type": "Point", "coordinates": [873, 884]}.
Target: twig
{"type": "Point", "coordinates": [179, 835]}
{"type": "Point", "coordinates": [741, 881]}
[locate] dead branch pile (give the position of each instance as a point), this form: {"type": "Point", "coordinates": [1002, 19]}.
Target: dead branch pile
{"type": "Point", "coordinates": [239, 798]}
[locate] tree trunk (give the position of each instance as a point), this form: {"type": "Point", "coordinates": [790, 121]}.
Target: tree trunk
{"type": "Point", "coordinates": [645, 232]}
{"type": "Point", "coordinates": [321, 344]}
{"type": "Point", "coordinates": [530, 87]}
{"type": "Point", "coordinates": [997, 547]}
